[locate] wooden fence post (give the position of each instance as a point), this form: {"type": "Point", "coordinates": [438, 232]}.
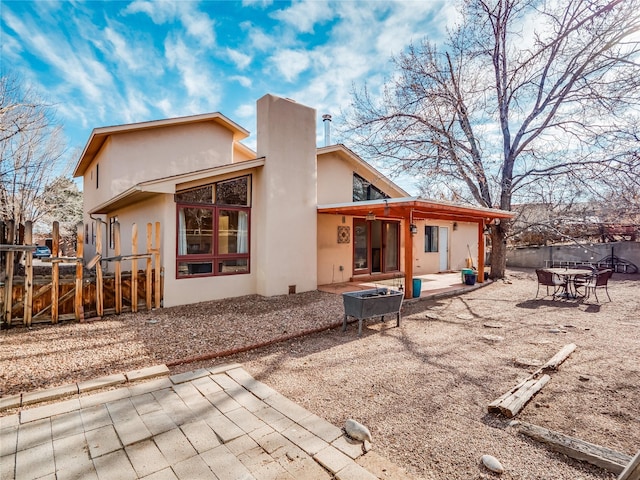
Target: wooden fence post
{"type": "Point", "coordinates": [157, 262]}
{"type": "Point", "coordinates": [118, 269]}
{"type": "Point", "coordinates": [78, 306]}
{"type": "Point", "coordinates": [8, 283]}
{"type": "Point", "coordinates": [99, 282]}
{"type": "Point", "coordinates": [134, 268]}
{"type": "Point", "coordinates": [28, 275]}
{"type": "Point", "coordinates": [55, 273]}
{"type": "Point", "coordinates": [148, 269]}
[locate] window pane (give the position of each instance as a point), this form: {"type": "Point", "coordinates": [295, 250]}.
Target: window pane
{"type": "Point", "coordinates": [361, 247]}
{"type": "Point", "coordinates": [233, 232]}
{"type": "Point", "coordinates": [359, 188]}
{"type": "Point", "coordinates": [195, 232]}
{"type": "Point", "coordinates": [233, 192]}
{"type": "Point", "coordinates": [430, 239]}
{"type": "Point", "coordinates": [194, 268]}
{"type": "Point", "coordinates": [391, 253]}
{"type": "Point", "coordinates": [233, 265]}
{"type": "Point", "coordinates": [198, 195]}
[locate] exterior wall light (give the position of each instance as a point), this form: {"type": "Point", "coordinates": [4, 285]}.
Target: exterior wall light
{"type": "Point", "coordinates": [455, 225]}
{"type": "Point", "coordinates": [413, 228]}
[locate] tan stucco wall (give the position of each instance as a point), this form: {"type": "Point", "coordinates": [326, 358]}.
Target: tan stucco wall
{"type": "Point", "coordinates": [331, 254]}
{"type": "Point", "coordinates": [184, 290]}
{"type": "Point", "coordinates": [335, 180]}
{"type": "Point", "coordinates": [130, 158]}
{"type": "Point", "coordinates": [287, 197]}
{"type": "Point", "coordinates": [429, 262]}
{"type": "Point", "coordinates": [466, 234]}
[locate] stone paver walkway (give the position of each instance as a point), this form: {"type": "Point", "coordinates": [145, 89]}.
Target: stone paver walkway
{"type": "Point", "coordinates": [217, 423]}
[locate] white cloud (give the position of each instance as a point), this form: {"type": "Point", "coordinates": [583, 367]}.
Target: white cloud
{"type": "Point", "coordinates": [245, 110]}
{"type": "Point", "coordinates": [242, 80]}
{"type": "Point", "coordinates": [261, 3]}
{"type": "Point", "coordinates": [194, 77]}
{"type": "Point", "coordinates": [121, 49]}
{"type": "Point", "coordinates": [164, 105]}
{"type": "Point", "coordinates": [161, 11]}
{"type": "Point", "coordinates": [303, 15]}
{"type": "Point", "coordinates": [258, 39]}
{"type": "Point", "coordinates": [197, 24]}
{"type": "Point", "coordinates": [240, 59]}
{"type": "Point", "coordinates": [290, 63]}
{"type": "Point", "coordinates": [78, 66]}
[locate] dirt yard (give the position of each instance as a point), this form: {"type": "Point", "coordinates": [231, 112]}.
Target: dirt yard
{"type": "Point", "coordinates": [422, 389]}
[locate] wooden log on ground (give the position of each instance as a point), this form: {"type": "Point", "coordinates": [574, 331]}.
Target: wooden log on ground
{"type": "Point", "coordinates": [559, 357]}
{"type": "Point", "coordinates": [602, 457]}
{"type": "Point", "coordinates": [515, 399]}
{"type": "Point", "coordinates": [632, 470]}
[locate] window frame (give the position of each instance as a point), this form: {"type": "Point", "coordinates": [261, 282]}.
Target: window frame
{"type": "Point", "coordinates": [431, 238]}
{"type": "Point", "coordinates": [371, 192]}
{"type": "Point", "coordinates": [215, 257]}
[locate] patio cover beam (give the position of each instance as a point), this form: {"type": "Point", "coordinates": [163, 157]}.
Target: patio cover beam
{"type": "Point", "coordinates": [410, 209]}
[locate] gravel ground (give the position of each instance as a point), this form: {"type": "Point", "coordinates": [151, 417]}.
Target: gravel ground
{"type": "Point", "coordinates": [422, 389]}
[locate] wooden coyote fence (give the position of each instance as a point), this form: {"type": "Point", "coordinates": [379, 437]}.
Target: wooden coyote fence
{"type": "Point", "coordinates": [91, 292]}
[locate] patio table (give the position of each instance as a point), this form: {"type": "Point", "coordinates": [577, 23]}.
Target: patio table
{"type": "Point", "coordinates": [568, 275]}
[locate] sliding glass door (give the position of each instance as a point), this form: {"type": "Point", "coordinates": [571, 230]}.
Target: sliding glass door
{"type": "Point", "coordinates": [375, 246]}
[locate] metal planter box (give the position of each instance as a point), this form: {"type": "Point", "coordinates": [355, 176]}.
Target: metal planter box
{"type": "Point", "coordinates": [371, 303]}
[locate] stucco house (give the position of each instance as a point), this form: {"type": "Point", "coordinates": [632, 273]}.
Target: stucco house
{"type": "Point", "coordinates": [283, 219]}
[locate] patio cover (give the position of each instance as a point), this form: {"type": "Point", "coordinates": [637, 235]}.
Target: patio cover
{"type": "Point", "coordinates": [410, 209]}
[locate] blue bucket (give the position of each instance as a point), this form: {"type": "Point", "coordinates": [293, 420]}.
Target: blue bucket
{"type": "Point", "coordinates": [417, 287]}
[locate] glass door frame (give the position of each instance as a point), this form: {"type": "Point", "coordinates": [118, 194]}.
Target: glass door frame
{"type": "Point", "coordinates": [367, 260]}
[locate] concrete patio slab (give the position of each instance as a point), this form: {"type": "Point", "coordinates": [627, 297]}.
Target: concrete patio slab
{"type": "Point", "coordinates": [211, 423]}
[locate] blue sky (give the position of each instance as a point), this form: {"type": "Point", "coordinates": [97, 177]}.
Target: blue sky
{"type": "Point", "coordinates": [108, 63]}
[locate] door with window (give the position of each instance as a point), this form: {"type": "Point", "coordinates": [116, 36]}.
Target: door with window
{"type": "Point", "coordinates": [375, 246]}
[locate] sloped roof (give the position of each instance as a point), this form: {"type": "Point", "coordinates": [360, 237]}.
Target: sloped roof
{"type": "Point", "coordinates": [349, 155]}
{"type": "Point", "coordinates": [100, 135]}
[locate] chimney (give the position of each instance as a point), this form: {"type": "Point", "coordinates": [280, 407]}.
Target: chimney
{"type": "Point", "coordinates": [326, 119]}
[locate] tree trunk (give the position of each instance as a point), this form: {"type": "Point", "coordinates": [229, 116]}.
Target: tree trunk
{"type": "Point", "coordinates": [498, 256]}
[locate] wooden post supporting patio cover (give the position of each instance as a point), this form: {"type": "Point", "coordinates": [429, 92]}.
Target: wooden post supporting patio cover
{"type": "Point", "coordinates": [480, 251]}
{"type": "Point", "coordinates": [408, 258]}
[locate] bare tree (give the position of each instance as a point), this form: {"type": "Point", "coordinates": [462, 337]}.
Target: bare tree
{"type": "Point", "coordinates": [31, 151]}
{"type": "Point", "coordinates": [524, 96]}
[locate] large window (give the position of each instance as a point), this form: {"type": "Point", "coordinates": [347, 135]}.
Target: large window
{"type": "Point", "coordinates": [430, 239]}
{"type": "Point", "coordinates": [363, 190]}
{"type": "Point", "coordinates": [213, 228]}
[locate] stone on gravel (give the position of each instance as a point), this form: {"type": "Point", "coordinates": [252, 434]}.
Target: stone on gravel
{"type": "Point", "coordinates": [492, 463]}
{"type": "Point", "coordinates": [492, 325]}
{"type": "Point", "coordinates": [357, 431]}
{"type": "Point", "coordinates": [465, 316]}
{"type": "Point", "coordinates": [493, 338]}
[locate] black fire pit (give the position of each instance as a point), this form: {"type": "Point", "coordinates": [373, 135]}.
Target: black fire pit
{"type": "Point", "coordinates": [371, 303]}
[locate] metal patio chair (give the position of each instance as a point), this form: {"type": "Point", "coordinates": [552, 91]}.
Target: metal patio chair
{"type": "Point", "coordinates": [548, 279]}
{"type": "Point", "coordinates": [599, 280]}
